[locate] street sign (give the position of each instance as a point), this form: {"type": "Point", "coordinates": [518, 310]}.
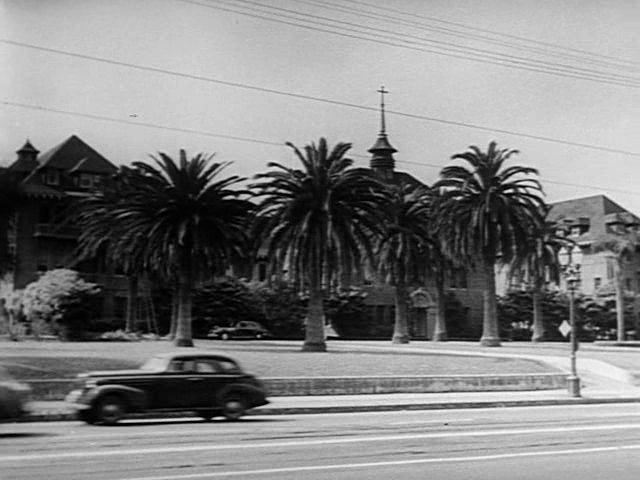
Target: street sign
{"type": "Point", "coordinates": [565, 328]}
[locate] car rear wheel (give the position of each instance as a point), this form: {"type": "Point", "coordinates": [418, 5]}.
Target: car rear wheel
{"type": "Point", "coordinates": [258, 336]}
{"type": "Point", "coordinates": [225, 336]}
{"type": "Point", "coordinates": [110, 410]}
{"type": "Point", "coordinates": [233, 408]}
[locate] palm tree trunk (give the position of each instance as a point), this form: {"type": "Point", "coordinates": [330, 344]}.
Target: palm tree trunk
{"type": "Point", "coordinates": [400, 327]}
{"type": "Point", "coordinates": [174, 315]}
{"type": "Point", "coordinates": [184, 337]}
{"type": "Point", "coordinates": [314, 340]}
{"type": "Point", "coordinates": [619, 302]}
{"type": "Point", "coordinates": [440, 328]}
{"type": "Point", "coordinates": [490, 335]}
{"type": "Point", "coordinates": [538, 325]}
{"type": "Point", "coordinates": [132, 303]}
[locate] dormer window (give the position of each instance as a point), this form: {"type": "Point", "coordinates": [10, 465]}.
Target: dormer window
{"type": "Point", "coordinates": [52, 177]}
{"type": "Point", "coordinates": [576, 231]}
{"type": "Point", "coordinates": [86, 180]}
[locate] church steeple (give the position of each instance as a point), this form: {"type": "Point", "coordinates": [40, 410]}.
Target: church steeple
{"type": "Point", "coordinates": [382, 160]}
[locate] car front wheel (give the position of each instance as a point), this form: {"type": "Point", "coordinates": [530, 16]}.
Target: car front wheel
{"type": "Point", "coordinates": [225, 336]}
{"type": "Point", "coordinates": [87, 416]}
{"type": "Point", "coordinates": [110, 410]}
{"type": "Point", "coordinates": [233, 408]}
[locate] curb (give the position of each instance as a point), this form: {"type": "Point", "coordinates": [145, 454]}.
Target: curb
{"type": "Point", "coordinates": [70, 416]}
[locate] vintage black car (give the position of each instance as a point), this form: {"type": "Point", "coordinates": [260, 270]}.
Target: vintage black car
{"type": "Point", "coordinates": [205, 383]}
{"type": "Point", "coordinates": [242, 329]}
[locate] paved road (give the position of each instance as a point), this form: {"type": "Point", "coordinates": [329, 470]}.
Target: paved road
{"type": "Point", "coordinates": [582, 442]}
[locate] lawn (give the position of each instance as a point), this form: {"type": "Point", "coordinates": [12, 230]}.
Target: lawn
{"type": "Point", "coordinates": [32, 360]}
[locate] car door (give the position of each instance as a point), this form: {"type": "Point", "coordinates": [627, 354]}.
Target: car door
{"type": "Point", "coordinates": [245, 330]}
{"type": "Point", "coordinates": [180, 386]}
{"type": "Point", "coordinates": [210, 382]}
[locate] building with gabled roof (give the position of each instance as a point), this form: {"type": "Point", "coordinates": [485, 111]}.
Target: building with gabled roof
{"type": "Point", "coordinates": [44, 234]}
{"type": "Point", "coordinates": [590, 221]}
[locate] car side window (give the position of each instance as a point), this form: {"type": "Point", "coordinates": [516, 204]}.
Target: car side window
{"type": "Point", "coordinates": [178, 366]}
{"type": "Point", "coordinates": [226, 366]}
{"type": "Point", "coordinates": [175, 366]}
{"type": "Point", "coordinates": [205, 366]}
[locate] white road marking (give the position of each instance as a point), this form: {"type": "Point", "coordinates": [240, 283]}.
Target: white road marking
{"type": "Point", "coordinates": [346, 466]}
{"type": "Point", "coordinates": [305, 443]}
{"type": "Point", "coordinates": [439, 421]}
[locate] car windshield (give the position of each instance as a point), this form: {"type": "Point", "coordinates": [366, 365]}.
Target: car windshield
{"type": "Point", "coordinates": [154, 364]}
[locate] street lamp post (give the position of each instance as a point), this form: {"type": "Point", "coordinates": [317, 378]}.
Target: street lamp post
{"type": "Point", "coordinates": [570, 262]}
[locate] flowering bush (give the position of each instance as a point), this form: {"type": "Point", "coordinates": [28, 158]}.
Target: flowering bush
{"type": "Point", "coordinates": [57, 302]}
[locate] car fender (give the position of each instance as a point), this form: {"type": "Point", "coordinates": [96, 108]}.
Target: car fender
{"type": "Point", "coordinates": [136, 399]}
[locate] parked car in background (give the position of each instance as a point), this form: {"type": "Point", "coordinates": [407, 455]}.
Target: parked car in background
{"type": "Point", "coordinates": [205, 383]}
{"type": "Point", "coordinates": [242, 329]}
{"type": "Point", "coordinates": [14, 397]}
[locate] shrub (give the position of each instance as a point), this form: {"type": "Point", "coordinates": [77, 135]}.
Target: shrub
{"type": "Point", "coordinates": [348, 314]}
{"type": "Point", "coordinates": [282, 309]}
{"type": "Point", "coordinates": [223, 302]}
{"type": "Point", "coordinates": [59, 303]}
{"type": "Point", "coordinates": [515, 315]}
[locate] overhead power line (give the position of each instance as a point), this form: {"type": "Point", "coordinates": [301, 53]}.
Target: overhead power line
{"type": "Point", "coordinates": [496, 34]}
{"type": "Point", "coordinates": [282, 144]}
{"type": "Point", "coordinates": [412, 39]}
{"type": "Point", "coordinates": [301, 96]}
{"type": "Point", "coordinates": [519, 63]}
{"type": "Point", "coordinates": [470, 33]}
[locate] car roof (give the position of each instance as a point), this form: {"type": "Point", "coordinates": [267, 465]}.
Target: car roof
{"type": "Point", "coordinates": [193, 353]}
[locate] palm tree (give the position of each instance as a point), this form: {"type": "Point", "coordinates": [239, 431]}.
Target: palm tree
{"type": "Point", "coordinates": [317, 223]}
{"type": "Point", "coordinates": [402, 250]}
{"type": "Point", "coordinates": [488, 212]}
{"type": "Point", "coordinates": [621, 248]}
{"type": "Point", "coordinates": [441, 265]}
{"type": "Point", "coordinates": [539, 263]}
{"type": "Point", "coordinates": [176, 220]}
{"type": "Point", "coordinates": [98, 235]}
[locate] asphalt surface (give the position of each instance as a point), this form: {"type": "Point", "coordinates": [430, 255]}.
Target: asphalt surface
{"type": "Point", "coordinates": [585, 442]}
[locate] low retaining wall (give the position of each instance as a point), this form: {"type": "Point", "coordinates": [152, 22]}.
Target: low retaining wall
{"type": "Point", "coordinates": [413, 384]}
{"type": "Point", "coordinates": [285, 386]}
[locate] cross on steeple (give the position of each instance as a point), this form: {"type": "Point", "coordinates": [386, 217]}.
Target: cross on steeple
{"type": "Point", "coordinates": [382, 152]}
{"type": "Point", "coordinates": [382, 91]}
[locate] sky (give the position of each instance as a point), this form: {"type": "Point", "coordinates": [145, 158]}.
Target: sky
{"type": "Point", "coordinates": [558, 80]}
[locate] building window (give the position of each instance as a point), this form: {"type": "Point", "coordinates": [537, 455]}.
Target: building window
{"type": "Point", "coordinates": [610, 268]}
{"type": "Point", "coordinates": [86, 180]}
{"type": "Point", "coordinates": [627, 284]}
{"type": "Point", "coordinates": [44, 214]}
{"type": "Point", "coordinates": [575, 231]}
{"type": "Point", "coordinates": [262, 272]}
{"type": "Point", "coordinates": [597, 282]}
{"type": "Point", "coordinates": [52, 177]}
